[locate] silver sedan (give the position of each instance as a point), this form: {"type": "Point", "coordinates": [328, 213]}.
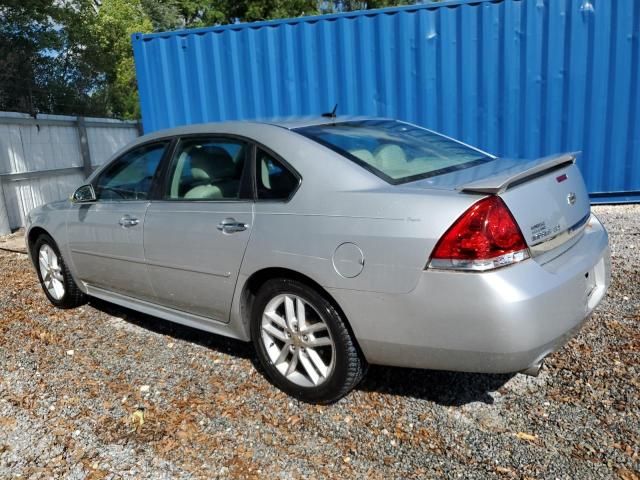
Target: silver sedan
{"type": "Point", "coordinates": [332, 243]}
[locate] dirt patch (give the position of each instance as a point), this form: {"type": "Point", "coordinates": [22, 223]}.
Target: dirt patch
{"type": "Point", "coordinates": [105, 392]}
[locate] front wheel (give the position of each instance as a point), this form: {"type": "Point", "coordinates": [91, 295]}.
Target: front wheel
{"type": "Point", "coordinates": [303, 343]}
{"type": "Point", "coordinates": [55, 278]}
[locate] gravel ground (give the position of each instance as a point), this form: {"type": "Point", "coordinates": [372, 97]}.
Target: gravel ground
{"type": "Point", "coordinates": [76, 384]}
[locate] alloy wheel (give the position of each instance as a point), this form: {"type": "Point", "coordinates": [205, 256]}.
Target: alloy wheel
{"type": "Point", "coordinates": [51, 271]}
{"type": "Point", "coordinates": [297, 340]}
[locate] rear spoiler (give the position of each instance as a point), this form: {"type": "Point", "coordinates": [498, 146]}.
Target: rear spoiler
{"type": "Point", "coordinates": [521, 173]}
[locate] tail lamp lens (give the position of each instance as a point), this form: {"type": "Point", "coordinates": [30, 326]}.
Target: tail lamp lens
{"type": "Point", "coordinates": [485, 237]}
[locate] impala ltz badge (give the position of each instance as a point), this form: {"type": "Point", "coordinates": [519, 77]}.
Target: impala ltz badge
{"type": "Point", "coordinates": [541, 232]}
{"type": "Point", "coordinates": [571, 198]}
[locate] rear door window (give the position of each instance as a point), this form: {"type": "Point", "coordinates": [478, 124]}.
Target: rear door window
{"type": "Point", "coordinates": [207, 169]}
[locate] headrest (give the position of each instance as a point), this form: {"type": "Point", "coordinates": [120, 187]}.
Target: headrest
{"type": "Point", "coordinates": [390, 156]}
{"type": "Point", "coordinates": [364, 155]}
{"type": "Point", "coordinates": [209, 163]}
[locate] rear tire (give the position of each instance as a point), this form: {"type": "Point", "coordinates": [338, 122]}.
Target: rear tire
{"type": "Point", "coordinates": [54, 275]}
{"type": "Point", "coordinates": [303, 342]}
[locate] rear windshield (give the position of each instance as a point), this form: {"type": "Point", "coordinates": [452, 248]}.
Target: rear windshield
{"type": "Point", "coordinates": [395, 151]}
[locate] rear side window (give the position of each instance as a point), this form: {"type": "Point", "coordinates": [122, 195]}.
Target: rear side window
{"type": "Point", "coordinates": [130, 176]}
{"type": "Point", "coordinates": [273, 179]}
{"type": "Point", "coordinates": [395, 151]}
{"type": "Point", "coordinates": [207, 169]}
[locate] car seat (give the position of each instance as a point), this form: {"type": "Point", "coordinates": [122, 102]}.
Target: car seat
{"type": "Point", "coordinates": [214, 173]}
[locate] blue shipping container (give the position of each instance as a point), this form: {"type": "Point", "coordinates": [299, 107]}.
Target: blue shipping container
{"type": "Point", "coordinates": [518, 78]}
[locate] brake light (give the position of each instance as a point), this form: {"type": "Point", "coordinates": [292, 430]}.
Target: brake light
{"type": "Point", "coordinates": [485, 237]}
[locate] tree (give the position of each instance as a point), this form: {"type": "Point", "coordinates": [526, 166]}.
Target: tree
{"type": "Point", "coordinates": [253, 10]}
{"type": "Point", "coordinates": [33, 77]}
{"type": "Point", "coordinates": [351, 5]}
{"type": "Point", "coordinates": [109, 51]}
{"type": "Point", "coordinates": [75, 56]}
{"type": "Point", "coordinates": [164, 15]}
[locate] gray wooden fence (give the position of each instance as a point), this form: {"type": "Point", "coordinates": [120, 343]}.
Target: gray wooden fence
{"type": "Point", "coordinates": [45, 158]}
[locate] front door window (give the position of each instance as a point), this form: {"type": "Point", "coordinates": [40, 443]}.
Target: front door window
{"type": "Point", "coordinates": [130, 177]}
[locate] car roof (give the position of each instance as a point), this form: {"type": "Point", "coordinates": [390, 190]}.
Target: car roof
{"type": "Point", "coordinates": [289, 123]}
{"type": "Point", "coordinates": [292, 123]}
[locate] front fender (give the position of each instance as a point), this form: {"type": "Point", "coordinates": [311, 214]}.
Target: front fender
{"type": "Point", "coordinates": [52, 220]}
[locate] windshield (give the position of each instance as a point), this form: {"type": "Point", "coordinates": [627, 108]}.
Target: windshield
{"type": "Point", "coordinates": [395, 151]}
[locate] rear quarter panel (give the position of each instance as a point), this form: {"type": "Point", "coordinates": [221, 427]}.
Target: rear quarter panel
{"type": "Point", "coordinates": [395, 229]}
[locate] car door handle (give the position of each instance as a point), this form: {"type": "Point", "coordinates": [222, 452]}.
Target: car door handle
{"type": "Point", "coordinates": [230, 225]}
{"type": "Point", "coordinates": [128, 221]}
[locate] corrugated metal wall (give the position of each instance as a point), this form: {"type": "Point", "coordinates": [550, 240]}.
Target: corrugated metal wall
{"type": "Point", "coordinates": [519, 78]}
{"type": "Point", "coordinates": [41, 159]}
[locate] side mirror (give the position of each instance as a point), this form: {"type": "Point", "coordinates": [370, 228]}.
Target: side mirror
{"type": "Point", "coordinates": [83, 194]}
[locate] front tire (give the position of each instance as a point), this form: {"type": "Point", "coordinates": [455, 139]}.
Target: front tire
{"type": "Point", "coordinates": [303, 342]}
{"type": "Point", "coordinates": [54, 275]}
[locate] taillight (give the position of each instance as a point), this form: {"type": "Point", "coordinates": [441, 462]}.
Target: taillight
{"type": "Point", "coordinates": [485, 237]}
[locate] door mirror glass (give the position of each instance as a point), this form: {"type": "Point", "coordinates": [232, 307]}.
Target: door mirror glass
{"type": "Point", "coordinates": [85, 193]}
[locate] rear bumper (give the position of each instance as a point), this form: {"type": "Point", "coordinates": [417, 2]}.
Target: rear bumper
{"type": "Point", "coordinates": [494, 322]}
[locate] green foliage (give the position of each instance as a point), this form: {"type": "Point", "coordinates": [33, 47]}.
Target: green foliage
{"type": "Point", "coordinates": [30, 75]}
{"type": "Point", "coordinates": [351, 5]}
{"type": "Point", "coordinates": [110, 32]}
{"type": "Point", "coordinates": [253, 10]}
{"type": "Point", "coordinates": [75, 56]}
{"type": "Point", "coordinates": [164, 15]}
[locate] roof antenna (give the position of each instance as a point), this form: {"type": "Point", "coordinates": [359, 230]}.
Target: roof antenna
{"type": "Point", "coordinates": [331, 114]}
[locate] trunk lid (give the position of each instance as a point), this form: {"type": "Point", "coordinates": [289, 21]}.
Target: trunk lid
{"type": "Point", "coordinates": [547, 197]}
{"type": "Point", "coordinates": [552, 209]}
